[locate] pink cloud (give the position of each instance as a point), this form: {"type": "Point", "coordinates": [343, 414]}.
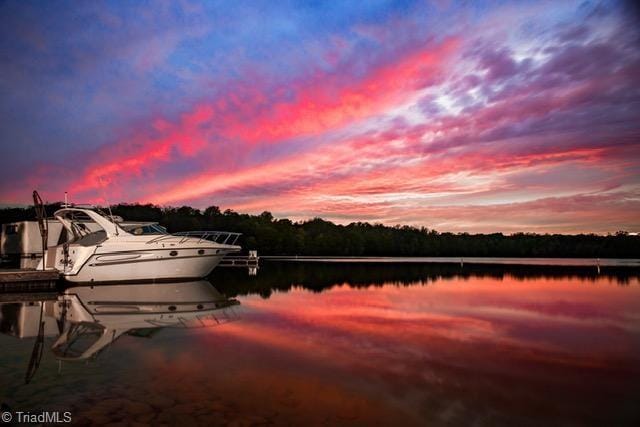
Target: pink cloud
{"type": "Point", "coordinates": [434, 134]}
{"type": "Point", "coordinates": [247, 116]}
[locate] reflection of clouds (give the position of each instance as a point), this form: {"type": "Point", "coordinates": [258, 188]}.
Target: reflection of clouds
{"type": "Point", "coordinates": [263, 372]}
{"type": "Point", "coordinates": [561, 317]}
{"type": "Point", "coordinates": [453, 347]}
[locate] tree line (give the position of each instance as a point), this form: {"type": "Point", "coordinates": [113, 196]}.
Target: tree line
{"type": "Point", "coordinates": [271, 236]}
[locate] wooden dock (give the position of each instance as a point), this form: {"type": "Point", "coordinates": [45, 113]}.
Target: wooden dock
{"type": "Point", "coordinates": [20, 280]}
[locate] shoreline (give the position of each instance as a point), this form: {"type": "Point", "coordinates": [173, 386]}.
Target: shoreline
{"type": "Point", "coordinates": [555, 262]}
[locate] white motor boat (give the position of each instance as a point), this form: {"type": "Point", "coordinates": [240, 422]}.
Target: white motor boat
{"type": "Point", "coordinates": [107, 253]}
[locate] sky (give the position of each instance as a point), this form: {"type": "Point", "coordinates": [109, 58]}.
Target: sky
{"type": "Point", "coordinates": [484, 116]}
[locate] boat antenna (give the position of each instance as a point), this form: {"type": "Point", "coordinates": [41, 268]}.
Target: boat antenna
{"type": "Point", "coordinates": [104, 196]}
{"type": "Point", "coordinates": [66, 200]}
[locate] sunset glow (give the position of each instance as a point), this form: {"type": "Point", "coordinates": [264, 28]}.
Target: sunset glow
{"type": "Point", "coordinates": [491, 117]}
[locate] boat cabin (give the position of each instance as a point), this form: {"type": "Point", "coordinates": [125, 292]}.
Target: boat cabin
{"type": "Point", "coordinates": [21, 243]}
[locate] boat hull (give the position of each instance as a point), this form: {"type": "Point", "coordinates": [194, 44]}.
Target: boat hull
{"type": "Point", "coordinates": [146, 266]}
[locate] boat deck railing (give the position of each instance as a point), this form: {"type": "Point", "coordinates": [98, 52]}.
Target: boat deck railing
{"type": "Point", "coordinates": [221, 237]}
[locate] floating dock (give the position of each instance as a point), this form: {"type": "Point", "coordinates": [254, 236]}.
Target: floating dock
{"type": "Point", "coordinates": [21, 280]}
{"type": "Point", "coordinates": [250, 261]}
{"type": "Point", "coordinates": [548, 262]}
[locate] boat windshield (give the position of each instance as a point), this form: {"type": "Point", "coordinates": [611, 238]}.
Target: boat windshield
{"type": "Point", "coordinates": [84, 229]}
{"type": "Point", "coordinates": [92, 239]}
{"type": "Point", "coordinates": [148, 229]}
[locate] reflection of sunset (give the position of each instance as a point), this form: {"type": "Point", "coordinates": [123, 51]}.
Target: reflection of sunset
{"type": "Point", "coordinates": [509, 312]}
{"type": "Point", "coordinates": [449, 339]}
{"type": "Point", "coordinates": [487, 347]}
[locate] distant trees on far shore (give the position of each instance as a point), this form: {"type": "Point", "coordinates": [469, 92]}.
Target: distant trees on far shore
{"type": "Point", "coordinates": [272, 236]}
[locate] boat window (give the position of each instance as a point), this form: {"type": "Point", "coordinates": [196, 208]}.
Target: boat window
{"type": "Point", "coordinates": [80, 229]}
{"type": "Point", "coordinates": [147, 230]}
{"type": "Point", "coordinates": [11, 229]}
{"type": "Point", "coordinates": [92, 239]}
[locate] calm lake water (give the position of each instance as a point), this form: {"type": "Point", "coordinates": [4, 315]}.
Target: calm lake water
{"type": "Point", "coordinates": [346, 344]}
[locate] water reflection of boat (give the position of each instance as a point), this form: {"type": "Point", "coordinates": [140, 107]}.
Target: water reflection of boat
{"type": "Point", "coordinates": [99, 315]}
{"type": "Point", "coordinates": [87, 319]}
{"type": "Point", "coordinates": [108, 253]}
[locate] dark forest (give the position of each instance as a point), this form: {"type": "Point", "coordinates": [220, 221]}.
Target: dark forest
{"type": "Point", "coordinates": [271, 236]}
